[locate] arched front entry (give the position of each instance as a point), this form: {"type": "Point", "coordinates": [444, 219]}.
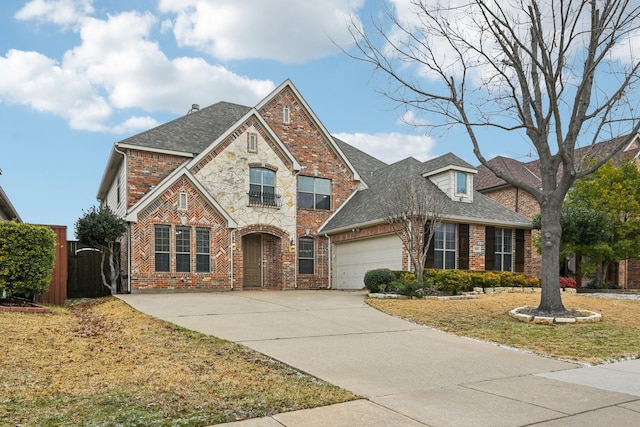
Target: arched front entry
{"type": "Point", "coordinates": [262, 261]}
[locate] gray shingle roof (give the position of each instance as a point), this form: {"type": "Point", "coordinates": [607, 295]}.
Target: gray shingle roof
{"type": "Point", "coordinates": [443, 161]}
{"type": "Point", "coordinates": [193, 132]}
{"type": "Point", "coordinates": [364, 164]}
{"type": "Point", "coordinates": [529, 172]}
{"type": "Point", "coordinates": [367, 206]}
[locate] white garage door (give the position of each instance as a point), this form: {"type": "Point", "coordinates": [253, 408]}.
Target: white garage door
{"type": "Point", "coordinates": [353, 259]}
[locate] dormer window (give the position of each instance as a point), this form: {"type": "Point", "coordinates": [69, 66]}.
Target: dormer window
{"type": "Point", "coordinates": [461, 183]}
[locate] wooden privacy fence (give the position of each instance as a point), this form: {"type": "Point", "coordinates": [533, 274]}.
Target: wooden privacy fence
{"type": "Point", "coordinates": [57, 293]}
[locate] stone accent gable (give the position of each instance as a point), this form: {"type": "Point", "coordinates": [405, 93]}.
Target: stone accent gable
{"type": "Point", "coordinates": [225, 174]}
{"type": "Point", "coordinates": [308, 144]}
{"type": "Point", "coordinates": [253, 125]}
{"type": "Point", "coordinates": [165, 211]}
{"type": "Point", "coordinates": [146, 169]}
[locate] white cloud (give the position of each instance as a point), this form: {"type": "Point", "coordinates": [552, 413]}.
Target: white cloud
{"type": "Point", "coordinates": [289, 31]}
{"type": "Point", "coordinates": [30, 78]}
{"type": "Point", "coordinates": [118, 66]}
{"type": "Point", "coordinates": [133, 124]}
{"type": "Point", "coordinates": [61, 12]}
{"type": "Point", "coordinates": [391, 147]}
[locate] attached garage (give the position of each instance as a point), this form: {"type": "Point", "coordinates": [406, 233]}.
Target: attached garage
{"type": "Point", "coordinates": [351, 260]}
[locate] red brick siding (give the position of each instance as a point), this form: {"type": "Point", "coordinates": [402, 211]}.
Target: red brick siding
{"type": "Point", "coordinates": [278, 257]}
{"type": "Point", "coordinates": [477, 247]}
{"type": "Point", "coordinates": [317, 158]}
{"type": "Point", "coordinates": [145, 170]}
{"type": "Point", "coordinates": [525, 204]}
{"type": "Point", "coordinates": [165, 211]}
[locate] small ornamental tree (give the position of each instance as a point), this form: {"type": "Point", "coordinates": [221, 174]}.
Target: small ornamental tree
{"type": "Point", "coordinates": [27, 257]}
{"type": "Point", "coordinates": [101, 228]}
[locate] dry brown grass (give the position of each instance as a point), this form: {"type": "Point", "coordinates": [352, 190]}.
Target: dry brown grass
{"type": "Point", "coordinates": [103, 363]}
{"type": "Point", "coordinates": [486, 318]}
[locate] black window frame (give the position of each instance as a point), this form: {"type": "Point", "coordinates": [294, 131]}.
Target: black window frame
{"type": "Point", "coordinates": [306, 255]}
{"type": "Point", "coordinates": [162, 248]}
{"type": "Point", "coordinates": [203, 250]}
{"type": "Point", "coordinates": [314, 199]}
{"type": "Point", "coordinates": [261, 194]}
{"type": "Point", "coordinates": [183, 249]}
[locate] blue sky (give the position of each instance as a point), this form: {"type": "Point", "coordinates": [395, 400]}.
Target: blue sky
{"type": "Point", "coordinates": [79, 75]}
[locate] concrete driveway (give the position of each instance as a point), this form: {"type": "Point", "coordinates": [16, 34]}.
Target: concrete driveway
{"type": "Point", "coordinates": [409, 374]}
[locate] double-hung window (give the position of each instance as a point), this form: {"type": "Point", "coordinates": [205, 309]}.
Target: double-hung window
{"type": "Point", "coordinates": [504, 248]}
{"type": "Point", "coordinates": [262, 187]}
{"type": "Point", "coordinates": [203, 250]}
{"type": "Point", "coordinates": [161, 247]}
{"type": "Point", "coordinates": [306, 255]}
{"type": "Point", "coordinates": [183, 249]}
{"type": "Point", "coordinates": [444, 246]}
{"type": "Point", "coordinates": [461, 183]}
{"type": "Point", "coordinates": [314, 193]}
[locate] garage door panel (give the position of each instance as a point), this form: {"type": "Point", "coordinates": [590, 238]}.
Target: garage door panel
{"type": "Point", "coordinates": [354, 259]}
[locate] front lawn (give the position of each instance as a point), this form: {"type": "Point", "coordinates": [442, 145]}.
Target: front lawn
{"type": "Point", "coordinates": [103, 363]}
{"type": "Point", "coordinates": [487, 319]}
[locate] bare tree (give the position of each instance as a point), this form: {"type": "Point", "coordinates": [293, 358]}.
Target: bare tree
{"type": "Point", "coordinates": [414, 212]}
{"type": "Point", "coordinates": [558, 74]}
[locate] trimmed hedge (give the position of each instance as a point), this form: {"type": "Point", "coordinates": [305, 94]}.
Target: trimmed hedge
{"type": "Point", "coordinates": [27, 257]}
{"type": "Point", "coordinates": [453, 282]}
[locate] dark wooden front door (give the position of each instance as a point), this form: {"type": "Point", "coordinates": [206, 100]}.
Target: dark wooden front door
{"type": "Point", "coordinates": [252, 261]}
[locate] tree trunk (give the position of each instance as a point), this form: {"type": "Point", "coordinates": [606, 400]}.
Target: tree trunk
{"type": "Point", "coordinates": [550, 299]}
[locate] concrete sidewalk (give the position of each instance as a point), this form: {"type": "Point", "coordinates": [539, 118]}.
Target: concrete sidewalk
{"type": "Point", "coordinates": [409, 374]}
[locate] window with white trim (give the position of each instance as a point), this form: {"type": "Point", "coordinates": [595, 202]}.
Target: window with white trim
{"type": "Point", "coordinates": [444, 246]}
{"type": "Point", "coordinates": [252, 142]}
{"type": "Point", "coordinates": [461, 183]}
{"type": "Point", "coordinates": [286, 115]}
{"type": "Point", "coordinates": [182, 201]}
{"type": "Point", "coordinates": [504, 249]}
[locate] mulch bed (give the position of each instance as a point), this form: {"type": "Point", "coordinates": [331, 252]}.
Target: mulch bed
{"type": "Point", "coordinates": [16, 304]}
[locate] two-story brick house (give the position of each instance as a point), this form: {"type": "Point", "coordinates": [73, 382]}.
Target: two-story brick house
{"type": "Point", "coordinates": [235, 197]}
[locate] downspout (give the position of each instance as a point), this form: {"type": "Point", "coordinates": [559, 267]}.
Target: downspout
{"type": "Point", "coordinates": [330, 264]}
{"type": "Point", "coordinates": [126, 202]}
{"type": "Point", "coordinates": [231, 249]}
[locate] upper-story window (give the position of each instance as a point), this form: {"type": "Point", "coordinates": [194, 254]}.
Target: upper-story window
{"type": "Point", "coordinates": [182, 201]}
{"type": "Point", "coordinates": [262, 188]}
{"type": "Point", "coordinates": [314, 193]}
{"type": "Point", "coordinates": [461, 183]}
{"type": "Point", "coordinates": [252, 142]}
{"type": "Point", "coordinates": [286, 115]}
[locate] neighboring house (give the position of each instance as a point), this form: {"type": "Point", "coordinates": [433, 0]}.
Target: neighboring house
{"type": "Point", "coordinates": [234, 197]}
{"type": "Point", "coordinates": [625, 273]}
{"type": "Point", "coordinates": [7, 211]}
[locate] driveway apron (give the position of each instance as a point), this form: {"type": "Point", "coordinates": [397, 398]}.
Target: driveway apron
{"type": "Point", "coordinates": [414, 374]}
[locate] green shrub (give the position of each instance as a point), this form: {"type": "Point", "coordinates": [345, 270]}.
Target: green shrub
{"type": "Point", "coordinates": [456, 281]}
{"type": "Point", "coordinates": [27, 257]}
{"type": "Point", "coordinates": [378, 280]}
